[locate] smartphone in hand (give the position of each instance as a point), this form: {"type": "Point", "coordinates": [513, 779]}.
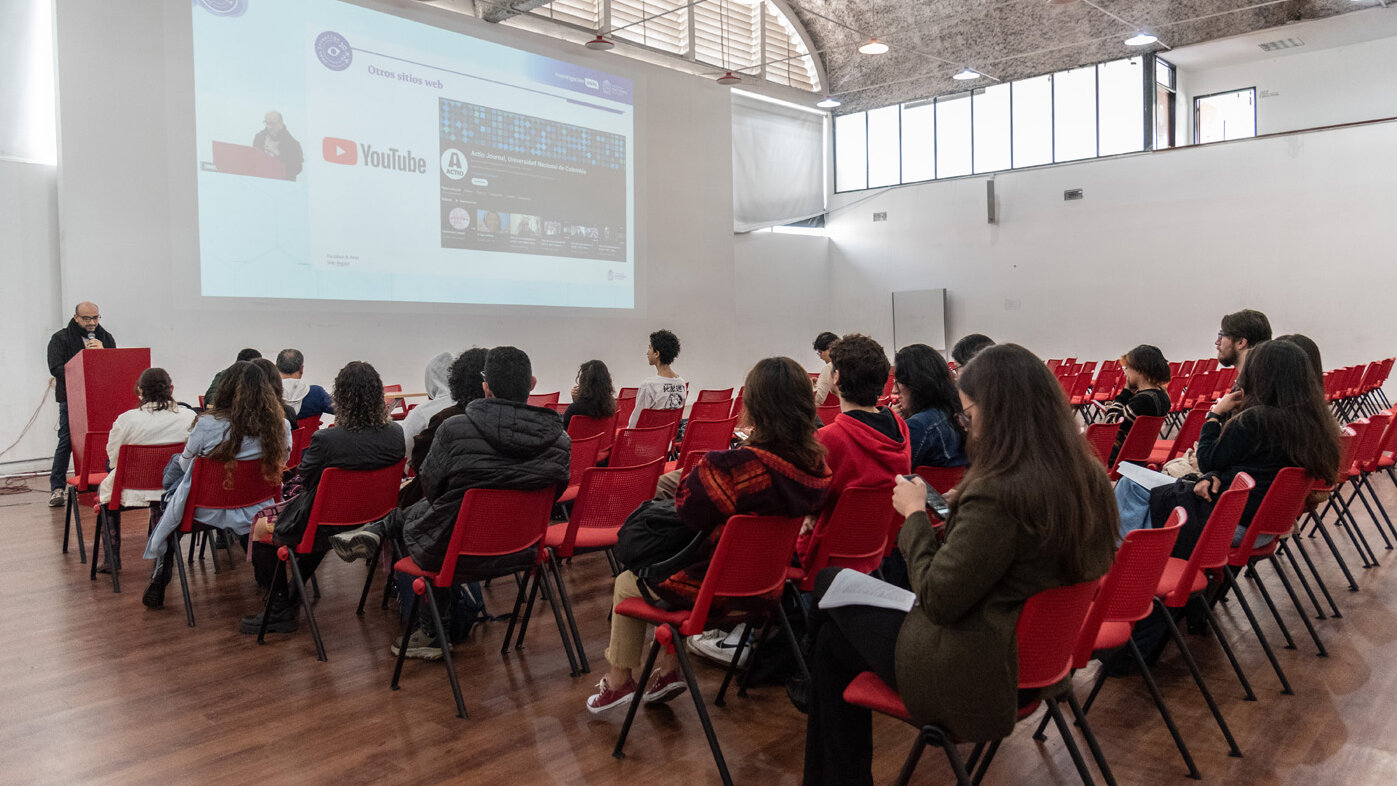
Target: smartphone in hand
{"type": "Point", "coordinates": [934, 501]}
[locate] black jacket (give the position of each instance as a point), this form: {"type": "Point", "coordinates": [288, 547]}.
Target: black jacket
{"type": "Point", "coordinates": [495, 444]}
{"type": "Point", "coordinates": [374, 448]}
{"type": "Point", "coordinates": [67, 343]}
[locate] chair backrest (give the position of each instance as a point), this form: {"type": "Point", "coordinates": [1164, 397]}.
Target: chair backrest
{"type": "Point", "coordinates": [584, 426]}
{"type": "Point", "coordinates": [1367, 439]}
{"type": "Point", "coordinates": [1389, 440]}
{"type": "Point", "coordinates": [559, 406]}
{"type": "Point", "coordinates": [1176, 387]}
{"type": "Point", "coordinates": [1210, 551]}
{"type": "Point", "coordinates": [1186, 367]}
{"type": "Point", "coordinates": [627, 393]}
{"type": "Point", "coordinates": [92, 457]}
{"type": "Point", "coordinates": [350, 497]}
{"type": "Point", "coordinates": [495, 522]}
{"type": "Point", "coordinates": [1053, 364]}
{"type": "Point", "coordinates": [608, 495]}
{"type": "Point", "coordinates": [827, 414]}
{"type": "Point", "coordinates": [750, 561]}
{"type": "Point", "coordinates": [1080, 386]}
{"type": "Point", "coordinates": [300, 440]}
{"type": "Point", "coordinates": [943, 479]}
{"type": "Point", "coordinates": [1371, 450]}
{"type": "Point", "coordinates": [1276, 515]}
{"type": "Point", "coordinates": [1102, 437]}
{"type": "Point", "coordinates": [687, 463]}
{"type": "Point", "coordinates": [714, 395]}
{"type": "Point", "coordinates": [710, 410]}
{"type": "Point", "coordinates": [737, 404]}
{"type": "Point", "coordinates": [624, 408]}
{"type": "Point", "coordinates": [1139, 442]}
{"type": "Point", "coordinates": [856, 532]}
{"type": "Point", "coordinates": [140, 468]}
{"type": "Point", "coordinates": [311, 424]}
{"type": "Point", "coordinates": [582, 457]}
{"type": "Point", "coordinates": [397, 406]}
{"type": "Point", "coordinates": [706, 435]}
{"type": "Point", "coordinates": [1189, 432]}
{"type": "Point", "coordinates": [207, 488]}
{"type": "Point", "coordinates": [1047, 632]}
{"type": "Point", "coordinates": [1127, 592]}
{"type": "Point", "coordinates": [639, 446]}
{"type": "Point", "coordinates": [543, 399]}
{"type": "Point", "coordinates": [669, 418]}
{"type": "Point", "coordinates": [1105, 385]}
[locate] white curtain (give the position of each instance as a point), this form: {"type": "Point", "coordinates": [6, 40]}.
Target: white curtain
{"type": "Point", "coordinates": [778, 164]}
{"type": "Point", "coordinates": [27, 98]}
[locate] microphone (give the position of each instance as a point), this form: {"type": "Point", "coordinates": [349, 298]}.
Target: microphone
{"type": "Point", "coordinates": [91, 335]}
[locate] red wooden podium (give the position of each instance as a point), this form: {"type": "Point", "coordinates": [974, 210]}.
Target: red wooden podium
{"type": "Point", "coordinates": [101, 385]}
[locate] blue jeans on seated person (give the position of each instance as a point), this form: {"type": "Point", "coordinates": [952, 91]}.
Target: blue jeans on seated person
{"type": "Point", "coordinates": [1133, 502]}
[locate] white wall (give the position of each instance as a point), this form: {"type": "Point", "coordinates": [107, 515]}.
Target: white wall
{"type": "Point", "coordinates": [1160, 248]}
{"type": "Point", "coordinates": [29, 311]}
{"type": "Point", "coordinates": [126, 198]}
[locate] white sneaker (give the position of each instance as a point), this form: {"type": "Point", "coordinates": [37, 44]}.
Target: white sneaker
{"type": "Point", "coordinates": [718, 645]}
{"type": "Point", "coordinates": [57, 498]}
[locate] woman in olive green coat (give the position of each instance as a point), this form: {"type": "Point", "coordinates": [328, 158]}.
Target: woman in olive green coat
{"type": "Point", "coordinates": [1034, 511]}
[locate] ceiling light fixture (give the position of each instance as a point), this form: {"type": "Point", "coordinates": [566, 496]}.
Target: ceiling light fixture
{"type": "Point", "coordinates": [729, 78]}
{"type": "Point", "coordinates": [874, 47]}
{"type": "Point", "coordinates": [966, 74]}
{"type": "Point", "coordinates": [828, 102]}
{"type": "Point", "coordinates": [600, 44]}
{"type": "Point", "coordinates": [1141, 39]}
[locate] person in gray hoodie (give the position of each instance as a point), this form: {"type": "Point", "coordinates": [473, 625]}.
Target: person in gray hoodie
{"type": "Point", "coordinates": [436, 381]}
{"type": "Point", "coordinates": [308, 400]}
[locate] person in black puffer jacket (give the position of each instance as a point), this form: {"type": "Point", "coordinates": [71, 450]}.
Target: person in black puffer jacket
{"type": "Point", "coordinates": [500, 442]}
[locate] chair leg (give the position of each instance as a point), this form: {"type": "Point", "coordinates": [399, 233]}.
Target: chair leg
{"type": "Point", "coordinates": [1230, 578]}
{"type": "Point", "coordinates": [1314, 571]}
{"type": "Point", "coordinates": [1163, 709]}
{"type": "Point", "coordinates": [1295, 600]}
{"type": "Point", "coordinates": [278, 581]}
{"type": "Point", "coordinates": [1227, 649]}
{"type": "Point", "coordinates": [553, 601]}
{"type": "Point", "coordinates": [1358, 493]}
{"type": "Point", "coordinates": [791, 640]}
{"type": "Point", "coordinates": [910, 765]}
{"type": "Point", "coordinates": [445, 642]}
{"type": "Point", "coordinates": [1271, 604]}
{"type": "Point", "coordinates": [687, 668]}
{"type": "Point", "coordinates": [75, 509]}
{"type": "Point", "coordinates": [645, 671]}
{"type": "Point", "coordinates": [1363, 479]}
{"type": "Point", "coordinates": [1350, 522]}
{"type": "Point", "coordinates": [1233, 750]}
{"type": "Point", "coordinates": [104, 528]}
{"type": "Point", "coordinates": [514, 616]}
{"type": "Point", "coordinates": [1333, 549]}
{"type": "Point", "coordinates": [742, 646]}
{"type": "Point", "coordinates": [391, 550]}
{"type": "Point", "coordinates": [1283, 548]}
{"type": "Point", "coordinates": [412, 613]}
{"type": "Point", "coordinates": [528, 608]}
{"type": "Point", "coordinates": [300, 585]}
{"type": "Point", "coordinates": [1090, 737]}
{"type": "Point", "coordinates": [368, 582]}
{"type": "Point", "coordinates": [173, 552]}
{"type": "Point", "coordinates": [989, 751]}
{"type": "Point", "coordinates": [1071, 743]}
{"type": "Point", "coordinates": [567, 612]}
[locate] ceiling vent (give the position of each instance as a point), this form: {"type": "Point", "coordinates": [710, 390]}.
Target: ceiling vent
{"type": "Point", "coordinates": [1284, 43]}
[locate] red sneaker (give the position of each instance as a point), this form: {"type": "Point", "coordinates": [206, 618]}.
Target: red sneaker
{"type": "Point", "coordinates": [609, 697]}
{"type": "Point", "coordinates": [664, 687]}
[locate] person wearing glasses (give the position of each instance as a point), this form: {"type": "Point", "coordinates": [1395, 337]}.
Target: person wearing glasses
{"type": "Point", "coordinates": [1240, 334]}
{"type": "Point", "coordinates": [84, 331]}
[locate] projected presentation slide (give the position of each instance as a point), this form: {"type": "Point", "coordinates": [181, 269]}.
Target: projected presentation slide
{"type": "Point", "coordinates": [349, 154]}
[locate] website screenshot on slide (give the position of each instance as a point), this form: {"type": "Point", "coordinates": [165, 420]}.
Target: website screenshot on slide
{"type": "Point", "coordinates": [349, 154]}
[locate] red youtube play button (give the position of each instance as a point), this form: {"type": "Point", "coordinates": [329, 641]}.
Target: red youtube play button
{"type": "Point", "coordinates": [340, 151]}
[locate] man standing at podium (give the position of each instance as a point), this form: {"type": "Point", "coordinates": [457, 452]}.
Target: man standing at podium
{"type": "Point", "coordinates": [83, 332]}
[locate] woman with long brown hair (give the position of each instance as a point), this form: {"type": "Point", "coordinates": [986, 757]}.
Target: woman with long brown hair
{"type": "Point", "coordinates": [779, 472]}
{"type": "Point", "coordinates": [593, 395]}
{"type": "Point", "coordinates": [1033, 512]}
{"type": "Point", "coordinates": [245, 421]}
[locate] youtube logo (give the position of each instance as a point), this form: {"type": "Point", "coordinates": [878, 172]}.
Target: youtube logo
{"type": "Point", "coordinates": [340, 151]}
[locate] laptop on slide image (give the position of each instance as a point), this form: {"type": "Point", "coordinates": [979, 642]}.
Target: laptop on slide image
{"type": "Point", "coordinates": [244, 160]}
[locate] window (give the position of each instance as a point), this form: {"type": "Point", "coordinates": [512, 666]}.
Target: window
{"type": "Point", "coordinates": [1120, 107]}
{"type": "Point", "coordinates": [851, 152]}
{"type": "Point", "coordinates": [1033, 121]}
{"type": "Point", "coordinates": [1074, 114]}
{"type": "Point", "coordinates": [788, 60]}
{"type": "Point", "coordinates": [918, 141]}
{"type": "Point", "coordinates": [1223, 116]}
{"type": "Point", "coordinates": [953, 137]}
{"type": "Point", "coordinates": [884, 144]}
{"type": "Point", "coordinates": [662, 25]}
{"type": "Point", "coordinates": [991, 117]}
{"type": "Point", "coordinates": [726, 34]}
{"type": "Point", "coordinates": [1165, 79]}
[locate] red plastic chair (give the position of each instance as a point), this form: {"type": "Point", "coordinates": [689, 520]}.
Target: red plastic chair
{"type": "Point", "coordinates": [749, 563]}
{"type": "Point", "coordinates": [705, 396]}
{"type": "Point", "coordinates": [209, 489]}
{"type": "Point", "coordinates": [711, 410]}
{"type": "Point", "coordinates": [737, 405]}
{"type": "Point", "coordinates": [669, 418]}
{"type": "Point", "coordinates": [311, 423]}
{"type": "Point", "coordinates": [1126, 597]}
{"type": "Point", "coordinates": [1046, 634]}
{"type": "Point", "coordinates": [344, 498]}
{"type": "Point", "coordinates": [397, 407]}
{"type": "Point", "coordinates": [627, 393]}
{"type": "Point", "coordinates": [639, 446]}
{"type": "Point", "coordinates": [1348, 444]}
{"type": "Point", "coordinates": [138, 468]}
{"type": "Point", "coordinates": [582, 457]}
{"type": "Point", "coordinates": [1102, 437]}
{"type": "Point", "coordinates": [85, 479]}
{"type": "Point", "coordinates": [701, 436]}
{"type": "Point", "coordinates": [943, 479]}
{"type": "Point", "coordinates": [543, 399]}
{"type": "Point", "coordinates": [854, 537]}
{"type": "Point", "coordinates": [490, 523]}
{"type": "Point", "coordinates": [1166, 450]}
{"type": "Point", "coordinates": [687, 463]}
{"type": "Point", "coordinates": [300, 440]}
{"type": "Point", "coordinates": [1139, 442]}
{"type": "Point", "coordinates": [606, 496]}
{"type": "Point", "coordinates": [583, 426]}
{"type": "Point", "coordinates": [1367, 460]}
{"type": "Point", "coordinates": [831, 400]}
{"type": "Point", "coordinates": [827, 414]}
{"type": "Point", "coordinates": [624, 408]}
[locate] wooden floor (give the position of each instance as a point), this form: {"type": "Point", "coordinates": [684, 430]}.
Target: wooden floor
{"type": "Point", "coordinates": [100, 690]}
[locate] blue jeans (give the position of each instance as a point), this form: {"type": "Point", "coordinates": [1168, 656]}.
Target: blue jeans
{"type": "Point", "coordinates": [58, 476]}
{"type": "Point", "coordinates": [1133, 502]}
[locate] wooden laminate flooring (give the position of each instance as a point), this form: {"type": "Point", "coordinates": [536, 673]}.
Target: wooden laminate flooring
{"type": "Point", "coordinates": [98, 689]}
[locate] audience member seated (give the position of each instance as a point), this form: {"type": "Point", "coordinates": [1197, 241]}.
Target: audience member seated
{"type": "Point", "coordinates": [666, 389]}
{"type": "Point", "coordinates": [968, 347]}
{"type": "Point", "coordinates": [436, 382]}
{"type": "Point", "coordinates": [1033, 512]}
{"type": "Point", "coordinates": [866, 444]}
{"type": "Point", "coordinates": [247, 354]}
{"type": "Point", "coordinates": [1146, 376]}
{"type": "Point", "coordinates": [1311, 350]}
{"type": "Point", "coordinates": [244, 421]}
{"type": "Point", "coordinates": [779, 472]}
{"type": "Point", "coordinates": [1240, 333]}
{"type": "Point", "coordinates": [824, 384]}
{"type": "Point", "coordinates": [364, 438]}
{"type": "Point", "coordinates": [593, 395]}
{"type": "Point", "coordinates": [500, 442]}
{"type": "Point", "coordinates": [307, 400]}
{"type": "Point", "coordinates": [268, 368]}
{"type": "Point", "coordinates": [466, 386]}
{"type": "Point", "coordinates": [1278, 419]}
{"type": "Point", "coordinates": [157, 421]}
{"type": "Point", "coordinates": [927, 400]}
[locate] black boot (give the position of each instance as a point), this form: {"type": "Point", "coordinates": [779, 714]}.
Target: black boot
{"type": "Point", "coordinates": [281, 617]}
{"type": "Point", "coordinates": [154, 597]}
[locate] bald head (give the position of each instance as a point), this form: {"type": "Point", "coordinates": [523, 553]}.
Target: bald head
{"type": "Point", "coordinates": [86, 308]}
{"type": "Point", "coordinates": [273, 122]}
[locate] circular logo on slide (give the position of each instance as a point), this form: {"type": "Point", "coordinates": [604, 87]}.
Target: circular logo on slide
{"type": "Point", "coordinates": [334, 51]}
{"type": "Point", "coordinates": [224, 7]}
{"type": "Point", "coordinates": [453, 163]}
{"type": "Point", "coordinates": [459, 217]}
